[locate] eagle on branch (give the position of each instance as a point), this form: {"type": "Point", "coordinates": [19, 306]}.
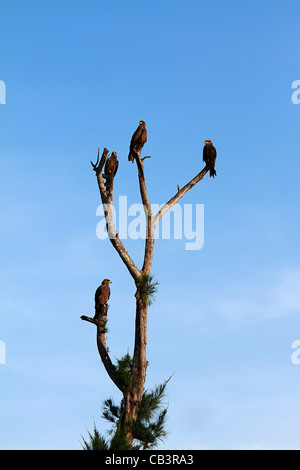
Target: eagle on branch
{"type": "Point", "coordinates": [102, 295]}
{"type": "Point", "coordinates": [110, 169]}
{"type": "Point", "coordinates": [138, 140]}
{"type": "Point", "coordinates": [209, 157]}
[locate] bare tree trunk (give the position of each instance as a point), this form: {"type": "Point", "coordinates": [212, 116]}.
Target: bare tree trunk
{"type": "Point", "coordinates": [134, 391]}
{"type": "Point", "coordinates": [133, 395]}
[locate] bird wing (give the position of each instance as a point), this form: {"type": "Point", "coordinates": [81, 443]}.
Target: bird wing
{"type": "Point", "coordinates": [106, 168]}
{"type": "Point", "coordinates": [213, 153]}
{"type": "Point", "coordinates": [209, 154]}
{"type": "Point", "coordinates": [135, 137]}
{"type": "Point", "coordinates": [143, 137]}
{"type": "Point", "coordinates": [116, 166]}
{"type": "Point", "coordinates": [98, 294]}
{"type": "Point", "coordinates": [109, 166]}
{"type": "Point", "coordinates": [205, 157]}
{"type": "Point", "coordinates": [105, 293]}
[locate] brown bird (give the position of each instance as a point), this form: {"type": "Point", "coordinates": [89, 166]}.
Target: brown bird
{"type": "Point", "coordinates": [138, 140]}
{"type": "Point", "coordinates": [209, 157]}
{"type": "Point", "coordinates": [110, 170]}
{"type": "Point", "coordinates": [111, 165]}
{"type": "Point", "coordinates": [102, 295]}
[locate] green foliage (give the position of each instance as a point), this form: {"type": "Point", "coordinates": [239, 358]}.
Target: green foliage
{"type": "Point", "coordinates": [123, 370]}
{"type": "Point", "coordinates": [118, 440]}
{"type": "Point", "coordinates": [112, 412]}
{"type": "Point", "coordinates": [148, 429]}
{"type": "Point", "coordinates": [147, 287]}
{"type": "Point", "coordinates": [97, 442]}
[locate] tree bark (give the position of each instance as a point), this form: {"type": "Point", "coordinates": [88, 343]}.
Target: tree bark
{"type": "Point", "coordinates": [149, 241]}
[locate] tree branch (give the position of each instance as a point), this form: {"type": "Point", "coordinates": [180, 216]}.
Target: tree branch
{"type": "Point", "coordinates": [149, 242]}
{"type": "Point", "coordinates": [97, 167]}
{"type": "Point", "coordinates": [107, 201]}
{"type": "Point", "coordinates": [102, 348]}
{"type": "Point", "coordinates": [178, 195]}
{"type": "Point", "coordinates": [89, 319]}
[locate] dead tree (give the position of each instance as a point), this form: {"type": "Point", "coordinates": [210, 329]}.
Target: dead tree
{"type": "Point", "coordinates": [133, 391]}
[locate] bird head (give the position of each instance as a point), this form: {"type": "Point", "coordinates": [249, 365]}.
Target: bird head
{"type": "Point", "coordinates": [208, 142]}
{"type": "Point", "coordinates": [142, 123]}
{"type": "Point", "coordinates": [114, 154]}
{"type": "Point", "coordinates": [106, 281]}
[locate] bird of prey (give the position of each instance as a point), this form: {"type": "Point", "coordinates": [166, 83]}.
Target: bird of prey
{"type": "Point", "coordinates": [138, 140]}
{"type": "Point", "coordinates": [111, 165]}
{"type": "Point", "coordinates": [110, 170]}
{"type": "Point", "coordinates": [102, 295]}
{"type": "Point", "coordinates": [209, 157]}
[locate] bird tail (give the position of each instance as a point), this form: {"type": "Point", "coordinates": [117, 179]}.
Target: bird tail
{"type": "Point", "coordinates": [212, 172]}
{"type": "Point", "coordinates": [130, 157]}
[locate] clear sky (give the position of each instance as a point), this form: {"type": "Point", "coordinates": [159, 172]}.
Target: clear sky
{"type": "Point", "coordinates": [80, 75]}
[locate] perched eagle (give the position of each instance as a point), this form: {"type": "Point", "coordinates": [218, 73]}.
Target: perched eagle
{"type": "Point", "coordinates": [111, 165]}
{"type": "Point", "coordinates": [101, 297]}
{"type": "Point", "coordinates": [209, 157]}
{"type": "Point", "coordinates": [138, 140]}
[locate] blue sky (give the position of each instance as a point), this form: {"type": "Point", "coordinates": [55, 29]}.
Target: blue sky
{"type": "Point", "coordinates": [80, 75]}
